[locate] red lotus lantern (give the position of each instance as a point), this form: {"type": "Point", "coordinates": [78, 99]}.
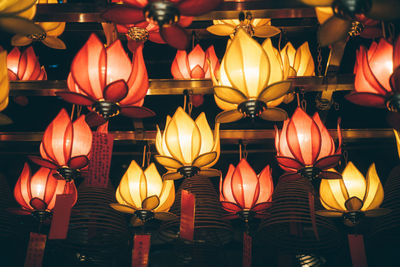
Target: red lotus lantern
{"type": "Point", "coordinates": [24, 66]}
{"type": "Point", "coordinates": [65, 146]}
{"type": "Point", "coordinates": [37, 193]}
{"type": "Point", "coordinates": [377, 80]}
{"type": "Point", "coordinates": [244, 193]}
{"type": "Point", "coordinates": [305, 147]}
{"type": "Point", "coordinates": [107, 81]}
{"type": "Point", "coordinates": [165, 14]}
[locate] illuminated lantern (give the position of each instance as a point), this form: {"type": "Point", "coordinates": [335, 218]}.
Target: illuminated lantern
{"type": "Point", "coordinates": [107, 81]}
{"type": "Point", "coordinates": [65, 145]}
{"type": "Point", "coordinates": [141, 32]}
{"type": "Point", "coordinates": [244, 193]}
{"type": "Point", "coordinates": [165, 14]}
{"type": "Point", "coordinates": [145, 194]}
{"type": "Point", "coordinates": [251, 77]}
{"type": "Point", "coordinates": [16, 15]}
{"type": "Point", "coordinates": [187, 147]}
{"type": "Point", "coordinates": [297, 62]}
{"type": "Point", "coordinates": [377, 73]}
{"type": "Point", "coordinates": [254, 27]}
{"type": "Point", "coordinates": [4, 84]}
{"type": "Point", "coordinates": [305, 147]}
{"type": "Point", "coordinates": [49, 36]}
{"type": "Point", "coordinates": [37, 193]}
{"type": "Point", "coordinates": [24, 66]}
{"type": "Point", "coordinates": [353, 196]}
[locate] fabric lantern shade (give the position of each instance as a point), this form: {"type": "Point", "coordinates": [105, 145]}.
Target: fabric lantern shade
{"type": "Point", "coordinates": [353, 196]}
{"type": "Point", "coordinates": [50, 35]}
{"type": "Point", "coordinates": [165, 14]}
{"type": "Point", "coordinates": [255, 27]}
{"type": "Point", "coordinates": [105, 80]}
{"type": "Point", "coordinates": [4, 83]}
{"type": "Point", "coordinates": [377, 73]}
{"type": "Point", "coordinates": [187, 147]}
{"type": "Point", "coordinates": [65, 145]}
{"type": "Point", "coordinates": [37, 193]}
{"type": "Point", "coordinates": [24, 66]}
{"type": "Point", "coordinates": [144, 194]}
{"type": "Point", "coordinates": [244, 193]}
{"type": "Point", "coordinates": [305, 147]}
{"type": "Point", "coordinates": [195, 65]}
{"type": "Point", "coordinates": [250, 78]}
{"type": "Point", "coordinates": [293, 224]}
{"type": "Point", "coordinates": [16, 16]}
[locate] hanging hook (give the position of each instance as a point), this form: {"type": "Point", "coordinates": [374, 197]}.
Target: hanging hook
{"type": "Point", "coordinates": [144, 156]}
{"type": "Point", "coordinates": [242, 150]}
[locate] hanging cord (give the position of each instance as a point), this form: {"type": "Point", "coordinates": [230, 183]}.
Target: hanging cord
{"type": "Point", "coordinates": [144, 156]}
{"type": "Point", "coordinates": [242, 150]}
{"type": "Point", "coordinates": [78, 111]}
{"type": "Point", "coordinates": [72, 111]}
{"type": "Point", "coordinates": [383, 29]}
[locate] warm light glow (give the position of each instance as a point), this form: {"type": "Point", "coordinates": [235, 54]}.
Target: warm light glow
{"type": "Point", "coordinates": [24, 66]}
{"type": "Point", "coordinates": [4, 83]}
{"type": "Point", "coordinates": [367, 193]}
{"type": "Point", "coordinates": [38, 192]}
{"type": "Point", "coordinates": [243, 189]}
{"type": "Point", "coordinates": [136, 186]}
{"type": "Point", "coordinates": [258, 27]}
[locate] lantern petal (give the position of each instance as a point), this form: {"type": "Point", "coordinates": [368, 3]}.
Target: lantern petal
{"type": "Point", "coordinates": [266, 31]}
{"type": "Point", "coordinates": [175, 36]}
{"type": "Point", "coordinates": [197, 57]}
{"type": "Point", "coordinates": [333, 30]}
{"type": "Point", "coordinates": [153, 180]}
{"type": "Point", "coordinates": [303, 61]}
{"type": "Point", "coordinates": [180, 68]}
{"type": "Point", "coordinates": [78, 162]}
{"type": "Point", "coordinates": [38, 204]}
{"type": "Point", "coordinates": [329, 213]}
{"type": "Point", "coordinates": [196, 7]}
{"type": "Point", "coordinates": [327, 162]}
{"type": "Point", "coordinates": [274, 114]}
{"type": "Point", "coordinates": [395, 80]}
{"type": "Point", "coordinates": [290, 163]}
{"type": "Point", "coordinates": [247, 65]}
{"type": "Point", "coordinates": [327, 144]}
{"type": "Point", "coordinates": [204, 159]}
{"type": "Point", "coordinates": [122, 208]}
{"type": "Point", "coordinates": [123, 14]}
{"type": "Point", "coordinates": [354, 181]}
{"type": "Point", "coordinates": [230, 207]}
{"type": "Point", "coordinates": [374, 193]}
{"type": "Point", "coordinates": [93, 119]}
{"type": "Point", "coordinates": [229, 116]}
{"type": "Point", "coordinates": [150, 203]}
{"type": "Point", "coordinates": [168, 162]}
{"type": "Point", "coordinates": [261, 207]}
{"type": "Point", "coordinates": [266, 185]}
{"type": "Point", "coordinates": [137, 112]}
{"type": "Point", "coordinates": [165, 216]}
{"type": "Point", "coordinates": [330, 175]}
{"type": "Point", "coordinates": [396, 53]}
{"type": "Point", "coordinates": [29, 67]}
{"type": "Point", "coordinates": [274, 91]}
{"type": "Point", "coordinates": [367, 99]}
{"type": "Point", "coordinates": [118, 65]}
{"type": "Point", "coordinates": [172, 176]}
{"type": "Point", "coordinates": [82, 138]}
{"type": "Point", "coordinates": [221, 29]}
{"type": "Point", "coordinates": [54, 42]}
{"type": "Point", "coordinates": [377, 212]}
{"type": "Point", "coordinates": [197, 73]}
{"type": "Point", "coordinates": [332, 194]}
{"type": "Point", "coordinates": [381, 63]}
{"type": "Point", "coordinates": [75, 98]}
{"type": "Point", "coordinates": [20, 40]}
{"type": "Point", "coordinates": [207, 138]}
{"type": "Point", "coordinates": [275, 62]}
{"type": "Point", "coordinates": [245, 185]}
{"type": "Point", "coordinates": [209, 172]}
{"type": "Point", "coordinates": [22, 193]}
{"type": "Point", "coordinates": [42, 162]}
{"type": "Point", "coordinates": [115, 91]}
{"type": "Point", "coordinates": [212, 65]}
{"type": "Point", "coordinates": [226, 186]}
{"type": "Point", "coordinates": [167, 196]}
{"type": "Point", "coordinates": [229, 94]}
{"type": "Point", "coordinates": [19, 25]}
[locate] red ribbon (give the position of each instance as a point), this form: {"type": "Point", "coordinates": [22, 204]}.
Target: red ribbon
{"type": "Point", "coordinates": [140, 253]}
{"type": "Point", "coordinates": [187, 215]}
{"type": "Point", "coordinates": [246, 250]}
{"type": "Point", "coordinates": [36, 246]}
{"type": "Point", "coordinates": [357, 250]}
{"type": "Point", "coordinates": [100, 159]}
{"type": "Point", "coordinates": [61, 214]}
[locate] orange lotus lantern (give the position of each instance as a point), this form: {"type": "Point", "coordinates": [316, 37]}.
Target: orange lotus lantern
{"type": "Point", "coordinates": [37, 193]}
{"type": "Point", "coordinates": [65, 146]}
{"type": "Point", "coordinates": [244, 193]}
{"type": "Point", "coordinates": [305, 147]}
{"type": "Point", "coordinates": [105, 80]}
{"type": "Point", "coordinates": [24, 66]}
{"type": "Point", "coordinates": [377, 80]}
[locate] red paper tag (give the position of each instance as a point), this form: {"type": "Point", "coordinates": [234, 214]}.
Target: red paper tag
{"type": "Point", "coordinates": [36, 246]}
{"type": "Point", "coordinates": [187, 215]}
{"type": "Point", "coordinates": [357, 250]}
{"type": "Point", "coordinates": [246, 250]}
{"type": "Point", "coordinates": [312, 214]}
{"type": "Point", "coordinates": [140, 253]}
{"type": "Point", "coordinates": [61, 214]}
{"type": "Point", "coordinates": [100, 159]}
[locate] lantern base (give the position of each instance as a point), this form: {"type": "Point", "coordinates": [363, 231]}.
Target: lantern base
{"type": "Point", "coordinates": [311, 173]}
{"type": "Point", "coordinates": [246, 215]}
{"type": "Point", "coordinates": [161, 13]}
{"type": "Point", "coordinates": [353, 218]}
{"type": "Point", "coordinates": [252, 108]}
{"type": "Point", "coordinates": [106, 109]}
{"type": "Point", "coordinates": [346, 9]}
{"type": "Point", "coordinates": [144, 215]}
{"type": "Point", "coordinates": [138, 34]}
{"type": "Point", "coordinates": [188, 171]}
{"type": "Point", "coordinates": [41, 215]}
{"type": "Point", "coordinates": [68, 174]}
{"type": "Point", "coordinates": [37, 36]}
{"type": "Point", "coordinates": [393, 103]}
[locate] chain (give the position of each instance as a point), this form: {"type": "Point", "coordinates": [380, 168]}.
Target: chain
{"type": "Point", "coordinates": [319, 60]}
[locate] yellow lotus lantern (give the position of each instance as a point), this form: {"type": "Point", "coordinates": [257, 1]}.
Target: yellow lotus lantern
{"type": "Point", "coordinates": [397, 136]}
{"type": "Point", "coordinates": [49, 36]}
{"type": "Point", "coordinates": [188, 147]}
{"type": "Point", "coordinates": [144, 194]}
{"type": "Point", "coordinates": [297, 62]}
{"type": "Point", "coordinates": [250, 79]}
{"type": "Point", "coordinates": [16, 16]}
{"type": "Point", "coordinates": [352, 197]}
{"type": "Point", "coordinates": [4, 87]}
{"type": "Point", "coordinates": [255, 27]}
